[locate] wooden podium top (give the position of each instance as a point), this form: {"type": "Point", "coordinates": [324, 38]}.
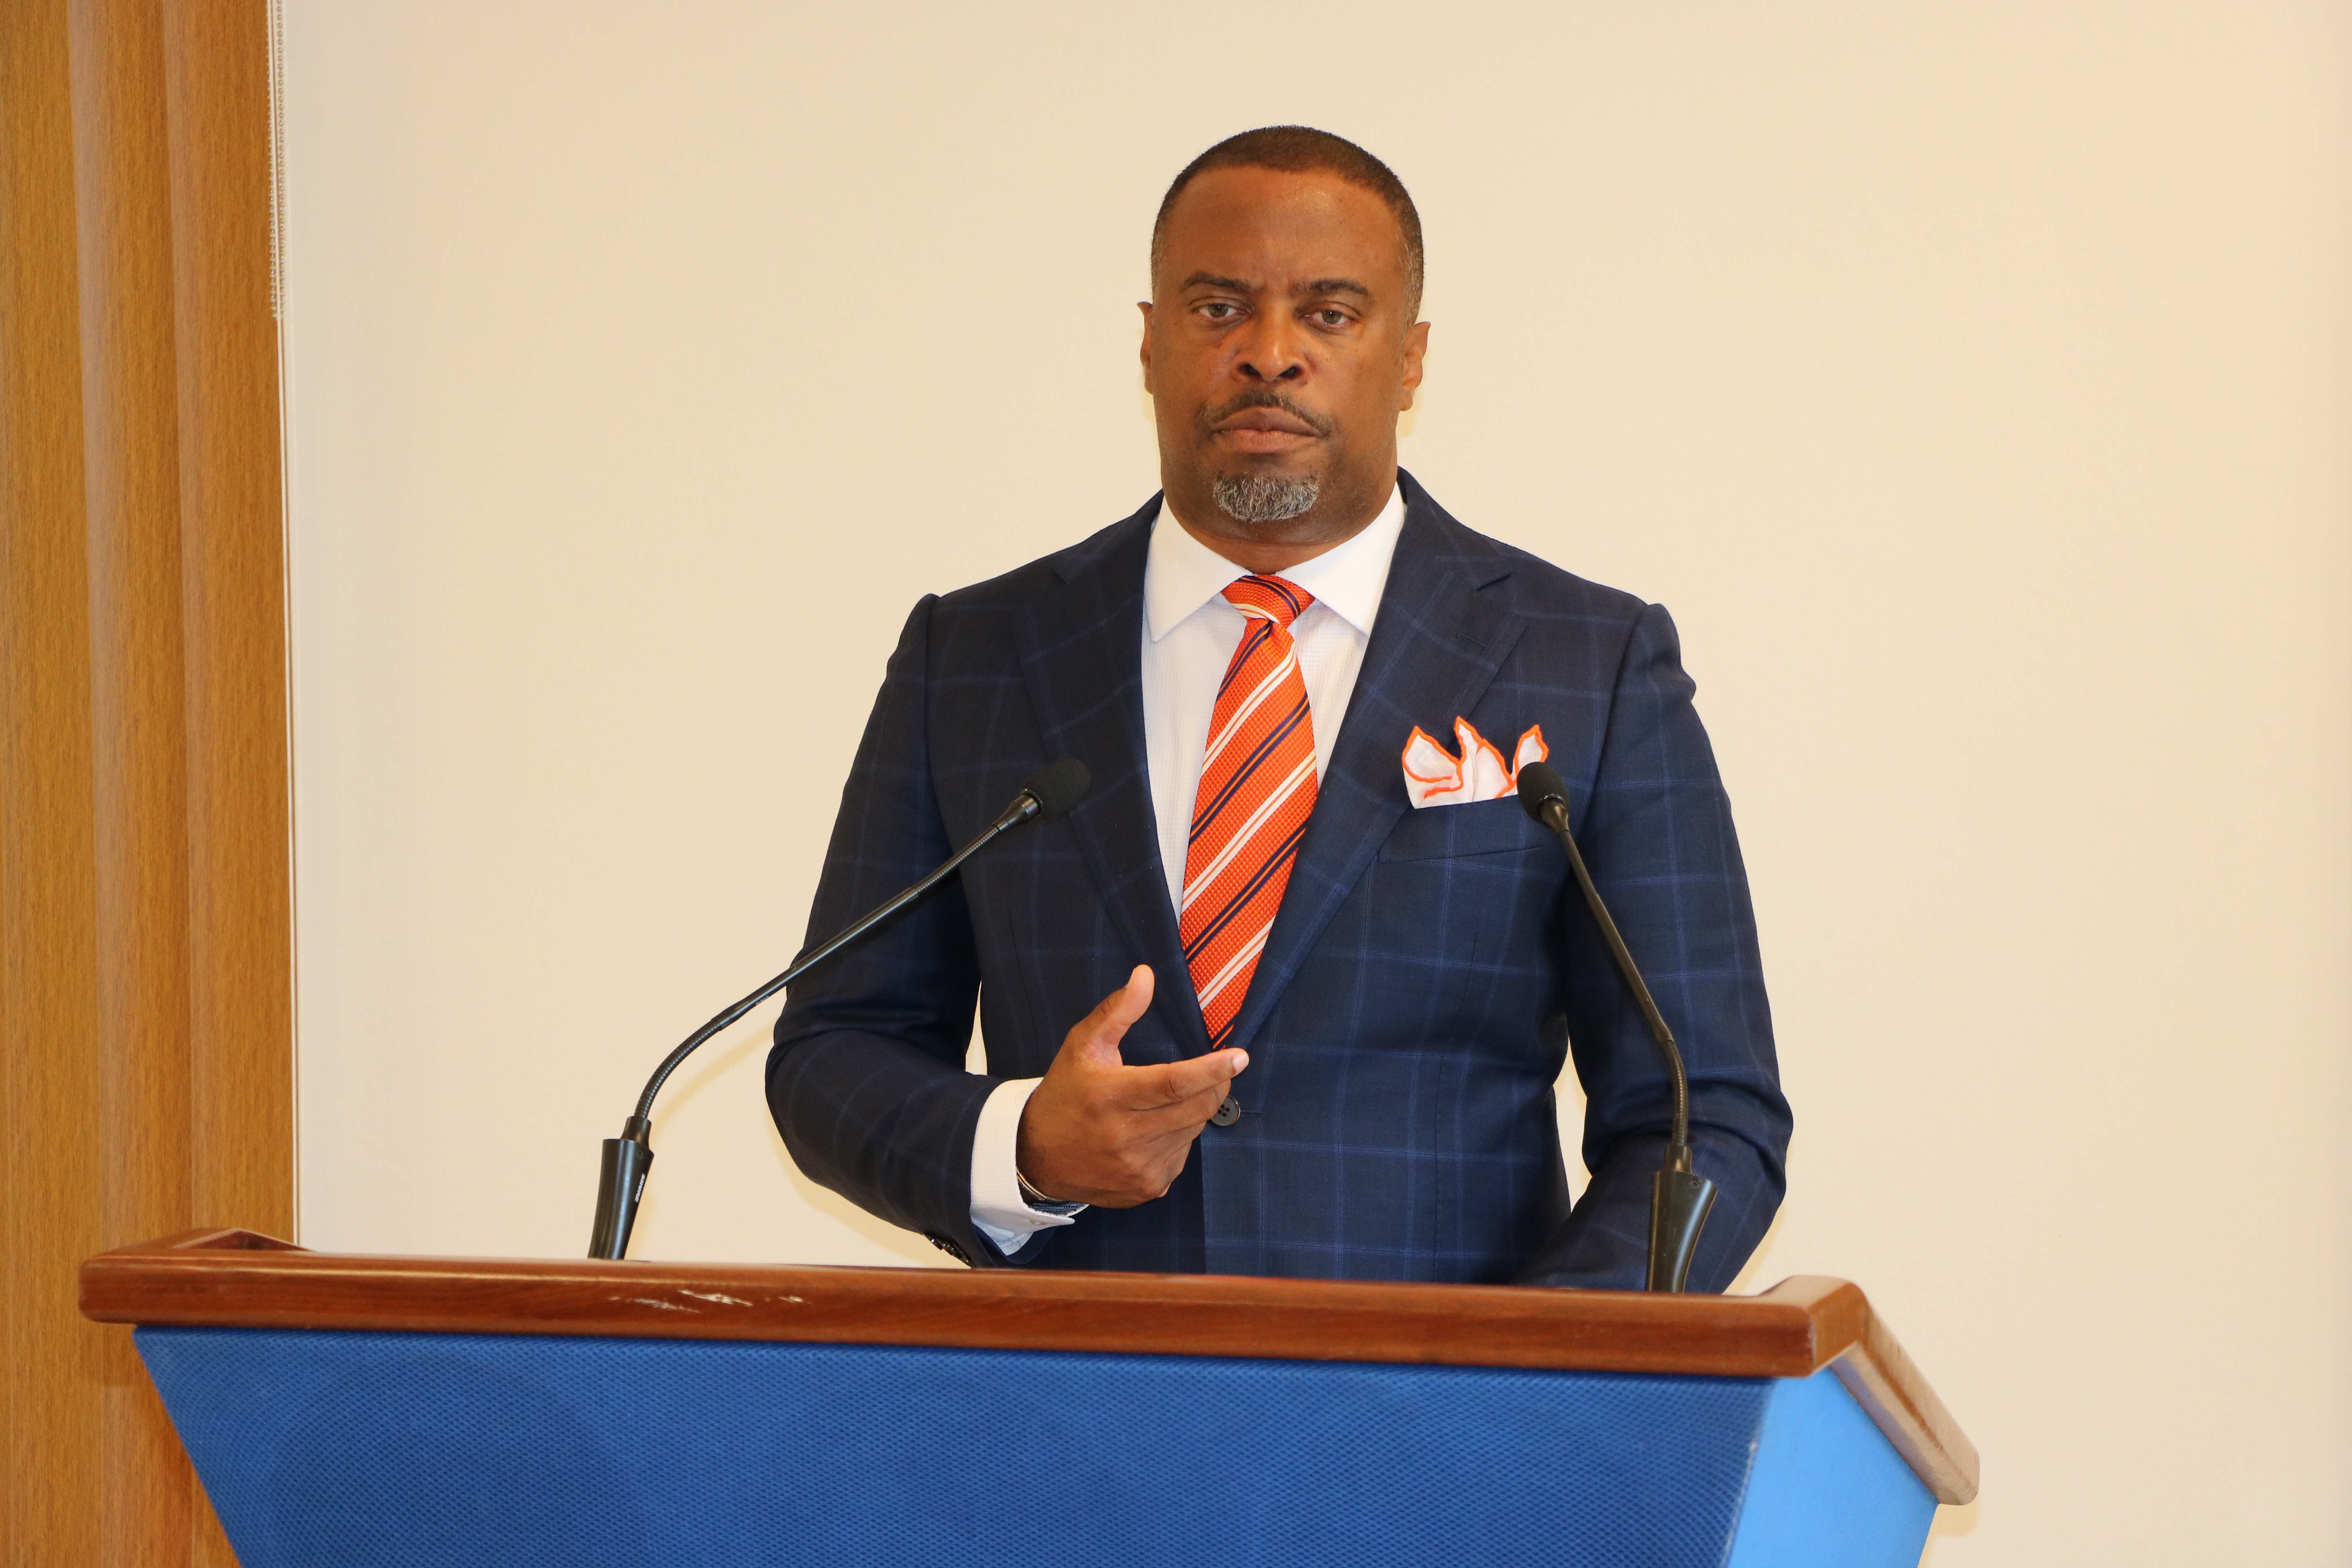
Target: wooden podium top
{"type": "Point", "coordinates": [235, 1278]}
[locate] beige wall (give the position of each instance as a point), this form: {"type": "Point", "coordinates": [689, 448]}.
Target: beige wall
{"type": "Point", "coordinates": [1971, 382]}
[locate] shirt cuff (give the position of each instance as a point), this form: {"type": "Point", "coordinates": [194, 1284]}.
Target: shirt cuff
{"type": "Point", "coordinates": [997, 1206]}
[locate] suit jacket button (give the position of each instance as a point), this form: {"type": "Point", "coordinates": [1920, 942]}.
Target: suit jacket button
{"type": "Point", "coordinates": [950, 1248]}
{"type": "Point", "coordinates": [1228, 1113]}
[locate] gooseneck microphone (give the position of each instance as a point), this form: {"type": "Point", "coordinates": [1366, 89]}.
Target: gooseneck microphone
{"type": "Point", "coordinates": [1679, 1196]}
{"type": "Point", "coordinates": [1049, 792]}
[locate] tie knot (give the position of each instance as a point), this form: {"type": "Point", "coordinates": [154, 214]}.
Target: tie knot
{"type": "Point", "coordinates": [1268, 598]}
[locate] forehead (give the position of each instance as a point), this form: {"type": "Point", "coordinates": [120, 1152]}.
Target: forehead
{"type": "Point", "coordinates": [1268, 225]}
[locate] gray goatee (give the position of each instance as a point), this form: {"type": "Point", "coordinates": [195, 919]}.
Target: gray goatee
{"type": "Point", "coordinates": [1265, 498]}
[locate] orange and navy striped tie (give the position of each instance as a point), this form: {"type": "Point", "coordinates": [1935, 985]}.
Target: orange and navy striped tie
{"type": "Point", "coordinates": [1257, 788]}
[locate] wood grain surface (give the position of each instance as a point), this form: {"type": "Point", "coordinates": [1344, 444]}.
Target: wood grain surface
{"type": "Point", "coordinates": [52, 1420]}
{"type": "Point", "coordinates": [232, 1277]}
{"type": "Point", "coordinates": [145, 944]}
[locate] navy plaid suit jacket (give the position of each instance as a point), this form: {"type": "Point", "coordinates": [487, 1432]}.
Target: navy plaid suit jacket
{"type": "Point", "coordinates": [1425, 979]}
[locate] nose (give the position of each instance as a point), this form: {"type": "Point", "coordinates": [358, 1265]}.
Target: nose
{"type": "Point", "coordinates": [1271, 352]}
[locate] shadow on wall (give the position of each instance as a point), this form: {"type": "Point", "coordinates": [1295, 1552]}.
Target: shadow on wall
{"type": "Point", "coordinates": [726, 1069]}
{"type": "Point", "coordinates": [1950, 1520]}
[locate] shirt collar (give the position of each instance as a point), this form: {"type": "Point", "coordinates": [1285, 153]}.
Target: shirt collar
{"type": "Point", "coordinates": [1181, 573]}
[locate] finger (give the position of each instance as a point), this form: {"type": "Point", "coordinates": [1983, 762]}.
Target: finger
{"type": "Point", "coordinates": [1175, 1082]}
{"type": "Point", "coordinates": [1097, 1034]}
{"type": "Point", "coordinates": [1185, 1119]}
{"type": "Point", "coordinates": [1180, 1151]}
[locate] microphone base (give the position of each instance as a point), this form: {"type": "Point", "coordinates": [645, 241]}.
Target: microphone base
{"type": "Point", "coordinates": [619, 1186]}
{"type": "Point", "coordinates": [1679, 1201]}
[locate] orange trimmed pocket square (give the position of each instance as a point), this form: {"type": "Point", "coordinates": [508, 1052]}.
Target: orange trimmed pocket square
{"type": "Point", "coordinates": [1435, 776]}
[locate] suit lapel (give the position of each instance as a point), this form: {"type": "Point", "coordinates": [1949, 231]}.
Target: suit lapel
{"type": "Point", "coordinates": [1081, 645]}
{"type": "Point", "coordinates": [1443, 629]}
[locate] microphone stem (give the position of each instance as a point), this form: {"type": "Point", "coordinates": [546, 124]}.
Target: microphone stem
{"type": "Point", "coordinates": [1555, 815]}
{"type": "Point", "coordinates": [1023, 809]}
{"type": "Point", "coordinates": [621, 1181]}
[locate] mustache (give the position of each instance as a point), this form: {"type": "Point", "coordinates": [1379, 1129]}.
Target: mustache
{"type": "Point", "coordinates": [1265, 397]}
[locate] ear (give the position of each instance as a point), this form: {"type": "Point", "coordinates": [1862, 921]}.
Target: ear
{"type": "Point", "coordinates": [1417, 344]}
{"type": "Point", "coordinates": [1145, 306]}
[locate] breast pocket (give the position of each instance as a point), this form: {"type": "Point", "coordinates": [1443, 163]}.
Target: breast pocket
{"type": "Point", "coordinates": [1452, 832]}
{"type": "Point", "coordinates": [1437, 935]}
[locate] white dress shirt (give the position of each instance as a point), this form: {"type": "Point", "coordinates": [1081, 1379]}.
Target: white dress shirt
{"type": "Point", "coordinates": [1189, 632]}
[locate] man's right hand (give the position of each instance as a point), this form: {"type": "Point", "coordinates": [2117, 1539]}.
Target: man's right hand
{"type": "Point", "coordinates": [1099, 1131]}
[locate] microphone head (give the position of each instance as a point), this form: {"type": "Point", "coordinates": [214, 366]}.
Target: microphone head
{"type": "Point", "coordinates": [1057, 786]}
{"type": "Point", "coordinates": [1539, 783]}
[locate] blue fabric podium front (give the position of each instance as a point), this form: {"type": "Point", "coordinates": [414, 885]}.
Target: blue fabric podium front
{"type": "Point", "coordinates": [728, 1440]}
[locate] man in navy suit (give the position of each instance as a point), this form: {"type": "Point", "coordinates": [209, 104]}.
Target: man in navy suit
{"type": "Point", "coordinates": [1250, 1008]}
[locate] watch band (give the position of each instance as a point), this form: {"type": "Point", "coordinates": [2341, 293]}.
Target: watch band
{"type": "Point", "coordinates": [1037, 1200]}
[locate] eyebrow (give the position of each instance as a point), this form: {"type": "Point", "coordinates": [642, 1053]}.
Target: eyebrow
{"type": "Point", "coordinates": [1234, 285]}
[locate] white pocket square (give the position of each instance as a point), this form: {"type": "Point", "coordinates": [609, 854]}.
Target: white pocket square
{"type": "Point", "coordinates": [1435, 776]}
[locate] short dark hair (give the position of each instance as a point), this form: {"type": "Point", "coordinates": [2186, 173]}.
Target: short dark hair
{"type": "Point", "coordinates": [1294, 150]}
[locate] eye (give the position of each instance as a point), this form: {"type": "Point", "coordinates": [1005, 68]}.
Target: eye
{"type": "Point", "coordinates": [1330, 316]}
{"type": "Point", "coordinates": [1218, 310]}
